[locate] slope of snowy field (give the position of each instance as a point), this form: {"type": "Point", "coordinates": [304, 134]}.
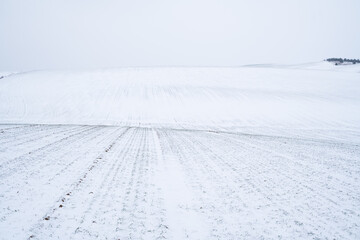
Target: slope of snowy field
{"type": "Point", "coordinates": [184, 97]}
{"type": "Point", "coordinates": [257, 152]}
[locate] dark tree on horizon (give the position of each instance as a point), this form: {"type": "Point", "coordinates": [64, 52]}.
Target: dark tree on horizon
{"type": "Point", "coordinates": [342, 60]}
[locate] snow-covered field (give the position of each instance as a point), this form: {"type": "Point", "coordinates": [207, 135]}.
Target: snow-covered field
{"type": "Point", "coordinates": [257, 152]}
{"type": "Point", "coordinates": [188, 97]}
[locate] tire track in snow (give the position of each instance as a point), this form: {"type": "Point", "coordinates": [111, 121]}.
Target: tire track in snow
{"type": "Point", "coordinates": [204, 182]}
{"type": "Point", "coordinates": [183, 222]}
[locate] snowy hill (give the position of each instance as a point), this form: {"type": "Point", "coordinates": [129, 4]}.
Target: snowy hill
{"type": "Point", "coordinates": [257, 152]}
{"type": "Point", "coordinates": [245, 96]}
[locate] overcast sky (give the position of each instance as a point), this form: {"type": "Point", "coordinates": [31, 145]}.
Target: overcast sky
{"type": "Point", "coordinates": [41, 34]}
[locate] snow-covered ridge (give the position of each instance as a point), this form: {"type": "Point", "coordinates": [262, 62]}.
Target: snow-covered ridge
{"type": "Point", "coordinates": [299, 96]}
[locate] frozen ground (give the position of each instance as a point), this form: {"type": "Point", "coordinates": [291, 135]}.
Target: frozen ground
{"type": "Point", "coordinates": [262, 152]}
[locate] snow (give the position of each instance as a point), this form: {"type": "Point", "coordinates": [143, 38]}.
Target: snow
{"type": "Point", "coordinates": [190, 97]}
{"type": "Point", "coordinates": [5, 74]}
{"type": "Point", "coordinates": [256, 152]}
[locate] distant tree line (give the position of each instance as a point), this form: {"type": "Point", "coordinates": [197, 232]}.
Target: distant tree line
{"type": "Point", "coordinates": [343, 60]}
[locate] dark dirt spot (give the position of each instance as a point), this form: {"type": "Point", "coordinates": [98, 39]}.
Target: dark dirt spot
{"type": "Point", "coordinates": [60, 206]}
{"type": "Point", "coordinates": [47, 218]}
{"type": "Point", "coordinates": [298, 223]}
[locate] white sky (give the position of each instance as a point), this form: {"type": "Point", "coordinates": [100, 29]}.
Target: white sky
{"type": "Point", "coordinates": [40, 34]}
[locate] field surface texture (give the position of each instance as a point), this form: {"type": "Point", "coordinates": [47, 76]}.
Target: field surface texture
{"type": "Point", "coordinates": [257, 152]}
